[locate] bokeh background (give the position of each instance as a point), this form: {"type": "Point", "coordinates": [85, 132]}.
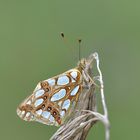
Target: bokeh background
{"type": "Point", "coordinates": [31, 50]}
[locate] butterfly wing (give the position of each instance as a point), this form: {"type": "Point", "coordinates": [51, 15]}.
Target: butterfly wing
{"type": "Point", "coordinates": [53, 100]}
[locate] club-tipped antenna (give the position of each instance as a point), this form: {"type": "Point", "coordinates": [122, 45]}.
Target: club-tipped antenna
{"type": "Point", "coordinates": [79, 46]}
{"type": "Point", "coordinates": [62, 34]}
{"type": "Point", "coordinates": [79, 41]}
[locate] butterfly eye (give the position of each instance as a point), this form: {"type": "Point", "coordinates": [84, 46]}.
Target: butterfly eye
{"type": "Point", "coordinates": [49, 108]}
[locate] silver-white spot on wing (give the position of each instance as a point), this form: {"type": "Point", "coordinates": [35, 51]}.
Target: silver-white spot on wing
{"type": "Point", "coordinates": [66, 104]}
{"type": "Point", "coordinates": [46, 114]}
{"type": "Point", "coordinates": [39, 93]}
{"type": "Point", "coordinates": [74, 91]}
{"type": "Point", "coordinates": [60, 103]}
{"type": "Point", "coordinates": [22, 113]}
{"type": "Point", "coordinates": [73, 80]}
{"type": "Point", "coordinates": [29, 102]}
{"type": "Point", "coordinates": [38, 102]}
{"type": "Point", "coordinates": [59, 95]}
{"type": "Point", "coordinates": [62, 113]}
{"type": "Point", "coordinates": [39, 112]}
{"type": "Point", "coordinates": [74, 74]}
{"type": "Point", "coordinates": [63, 80]}
{"type": "Point", "coordinates": [27, 114]}
{"type": "Point", "coordinates": [51, 82]}
{"type": "Point", "coordinates": [38, 87]}
{"type": "Point", "coordinates": [51, 118]}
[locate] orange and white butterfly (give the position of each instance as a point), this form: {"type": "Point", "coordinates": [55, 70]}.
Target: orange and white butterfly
{"type": "Point", "coordinates": [54, 99]}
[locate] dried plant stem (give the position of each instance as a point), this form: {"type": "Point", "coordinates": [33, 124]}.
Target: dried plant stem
{"type": "Point", "coordinates": [105, 116]}
{"type": "Point", "coordinates": [85, 114]}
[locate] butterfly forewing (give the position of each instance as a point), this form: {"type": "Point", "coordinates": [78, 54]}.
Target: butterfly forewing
{"type": "Point", "coordinates": [53, 100]}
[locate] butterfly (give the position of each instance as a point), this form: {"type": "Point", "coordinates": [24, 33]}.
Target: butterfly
{"type": "Point", "coordinates": [53, 100]}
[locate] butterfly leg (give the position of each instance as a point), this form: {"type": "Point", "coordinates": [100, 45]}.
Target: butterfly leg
{"type": "Point", "coordinates": [93, 57]}
{"type": "Point", "coordinates": [89, 80]}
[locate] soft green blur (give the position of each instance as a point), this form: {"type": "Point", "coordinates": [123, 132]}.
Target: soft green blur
{"type": "Point", "coordinates": [31, 50]}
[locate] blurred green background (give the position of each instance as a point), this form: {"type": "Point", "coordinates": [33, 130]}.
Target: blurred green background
{"type": "Point", "coordinates": [31, 50]}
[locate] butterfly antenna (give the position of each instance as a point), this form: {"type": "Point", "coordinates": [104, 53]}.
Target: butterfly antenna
{"type": "Point", "coordinates": [63, 36]}
{"type": "Point", "coordinates": [79, 41]}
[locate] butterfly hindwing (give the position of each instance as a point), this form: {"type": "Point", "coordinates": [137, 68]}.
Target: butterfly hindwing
{"type": "Point", "coordinates": [54, 99]}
